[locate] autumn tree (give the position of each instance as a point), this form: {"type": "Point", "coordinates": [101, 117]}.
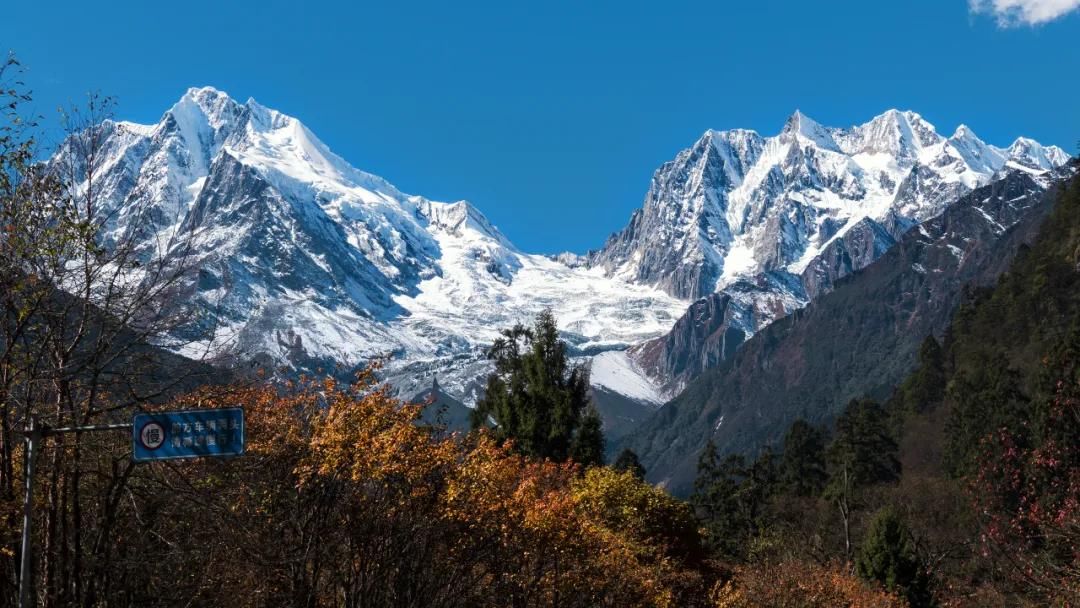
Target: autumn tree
{"type": "Point", "coordinates": [366, 508]}
{"type": "Point", "coordinates": [84, 311]}
{"type": "Point", "coordinates": [801, 585]}
{"type": "Point", "coordinates": [1026, 484]}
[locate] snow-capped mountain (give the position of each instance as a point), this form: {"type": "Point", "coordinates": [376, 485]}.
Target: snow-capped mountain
{"type": "Point", "coordinates": [307, 261]}
{"type": "Point", "coordinates": [736, 204]}
{"type": "Point", "coordinates": [770, 223]}
{"type": "Point", "coordinates": [304, 260]}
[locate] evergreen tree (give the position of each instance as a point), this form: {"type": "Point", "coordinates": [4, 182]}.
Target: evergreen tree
{"type": "Point", "coordinates": [714, 500]}
{"type": "Point", "coordinates": [536, 397]}
{"type": "Point", "coordinates": [888, 558]}
{"type": "Point", "coordinates": [802, 467]}
{"type": "Point", "coordinates": [730, 497]}
{"type": "Point", "coordinates": [863, 445]}
{"type": "Point", "coordinates": [983, 397]}
{"type": "Point", "coordinates": [627, 460]}
{"type": "Point", "coordinates": [588, 445]}
{"type": "Point", "coordinates": [924, 389]}
{"type": "Point", "coordinates": [862, 453]}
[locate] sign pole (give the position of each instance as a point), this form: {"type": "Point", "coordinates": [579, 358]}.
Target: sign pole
{"type": "Point", "coordinates": [194, 433]}
{"type": "Point", "coordinates": [33, 436]}
{"type": "Point", "coordinates": [34, 433]}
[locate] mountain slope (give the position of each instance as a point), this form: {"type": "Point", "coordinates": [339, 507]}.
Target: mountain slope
{"type": "Point", "coordinates": [306, 261]}
{"type": "Point", "coordinates": [759, 227]}
{"type": "Point", "coordinates": [859, 339]}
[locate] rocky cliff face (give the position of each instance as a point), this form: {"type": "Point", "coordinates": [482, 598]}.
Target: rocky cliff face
{"type": "Point", "coordinates": [736, 204]}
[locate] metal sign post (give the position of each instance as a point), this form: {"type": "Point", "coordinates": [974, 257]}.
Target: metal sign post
{"type": "Point", "coordinates": [33, 436]}
{"type": "Point", "coordinates": [157, 436]}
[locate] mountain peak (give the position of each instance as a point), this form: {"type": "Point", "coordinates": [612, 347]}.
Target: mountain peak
{"type": "Point", "coordinates": [774, 203]}
{"type": "Point", "coordinates": [801, 126]}
{"type": "Point", "coordinates": [205, 91]}
{"type": "Point", "coordinates": [901, 134]}
{"type": "Point", "coordinates": [800, 123]}
{"type": "Point", "coordinates": [964, 132]}
{"type": "Point", "coordinates": [204, 106]}
{"type": "Point", "coordinates": [1031, 154]}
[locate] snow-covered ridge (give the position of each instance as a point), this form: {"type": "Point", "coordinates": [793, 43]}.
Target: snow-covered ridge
{"type": "Point", "coordinates": [306, 260]}
{"type": "Point", "coordinates": [737, 204]}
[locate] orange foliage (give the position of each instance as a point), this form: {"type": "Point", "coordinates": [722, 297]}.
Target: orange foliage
{"type": "Point", "coordinates": [800, 585]}
{"type": "Point", "coordinates": [343, 499]}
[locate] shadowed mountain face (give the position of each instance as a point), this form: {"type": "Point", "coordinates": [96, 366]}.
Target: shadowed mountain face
{"type": "Point", "coordinates": [442, 410]}
{"type": "Point", "coordinates": [860, 339]}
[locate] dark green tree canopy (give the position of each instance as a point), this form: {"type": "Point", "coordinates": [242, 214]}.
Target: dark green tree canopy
{"type": "Point", "coordinates": [537, 398]}
{"type": "Point", "coordinates": [802, 465]}
{"type": "Point", "coordinates": [627, 460]}
{"type": "Point", "coordinates": [888, 557]}
{"type": "Point", "coordinates": [588, 444]}
{"type": "Point", "coordinates": [924, 389]}
{"type": "Point", "coordinates": [863, 449]}
{"type": "Point", "coordinates": [731, 496]}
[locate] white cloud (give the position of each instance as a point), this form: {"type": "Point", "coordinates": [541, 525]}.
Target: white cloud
{"type": "Point", "coordinates": [1024, 12]}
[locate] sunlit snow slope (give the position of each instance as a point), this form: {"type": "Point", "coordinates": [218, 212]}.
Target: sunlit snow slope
{"type": "Point", "coordinates": [306, 261]}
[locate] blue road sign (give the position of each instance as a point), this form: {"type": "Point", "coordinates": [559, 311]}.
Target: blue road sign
{"type": "Point", "coordinates": [188, 434]}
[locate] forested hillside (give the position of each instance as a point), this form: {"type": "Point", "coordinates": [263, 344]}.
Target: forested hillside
{"type": "Point", "coordinates": [963, 488]}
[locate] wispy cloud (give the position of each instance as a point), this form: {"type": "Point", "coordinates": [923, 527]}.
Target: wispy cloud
{"type": "Point", "coordinates": [1011, 13]}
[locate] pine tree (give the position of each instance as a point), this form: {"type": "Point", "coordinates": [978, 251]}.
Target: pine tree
{"type": "Point", "coordinates": [535, 397]}
{"type": "Point", "coordinates": [588, 445]}
{"type": "Point", "coordinates": [888, 557]}
{"type": "Point", "coordinates": [863, 445]}
{"type": "Point", "coordinates": [983, 398]}
{"type": "Point", "coordinates": [862, 453]}
{"type": "Point", "coordinates": [730, 497]}
{"type": "Point", "coordinates": [714, 500]}
{"type": "Point", "coordinates": [802, 468]}
{"type": "Point", "coordinates": [627, 460]}
{"type": "Point", "coordinates": [925, 388]}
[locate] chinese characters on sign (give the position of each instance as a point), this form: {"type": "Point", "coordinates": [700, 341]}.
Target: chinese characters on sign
{"type": "Point", "coordinates": [188, 434]}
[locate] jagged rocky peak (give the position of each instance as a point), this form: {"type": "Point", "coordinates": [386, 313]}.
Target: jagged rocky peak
{"type": "Point", "coordinates": [460, 216]}
{"type": "Point", "coordinates": [736, 204]}
{"type": "Point", "coordinates": [214, 107]}
{"type": "Point", "coordinates": [1033, 155]}
{"type": "Point", "coordinates": [801, 128]}
{"type": "Point", "coordinates": [899, 134]}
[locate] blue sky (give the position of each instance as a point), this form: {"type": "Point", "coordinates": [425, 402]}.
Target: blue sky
{"type": "Point", "coordinates": [551, 117]}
